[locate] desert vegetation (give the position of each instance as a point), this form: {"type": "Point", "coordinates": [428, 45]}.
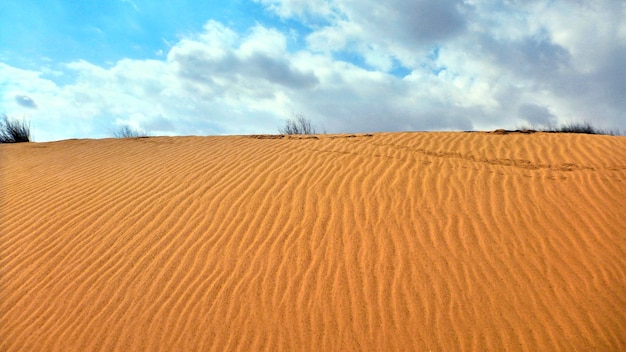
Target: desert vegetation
{"type": "Point", "coordinates": [128, 132]}
{"type": "Point", "coordinates": [573, 127]}
{"type": "Point", "coordinates": [297, 125]}
{"type": "Point", "coordinates": [14, 131]}
{"type": "Point", "coordinates": [584, 127]}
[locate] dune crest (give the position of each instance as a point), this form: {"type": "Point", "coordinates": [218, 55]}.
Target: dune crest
{"type": "Point", "coordinates": [383, 242]}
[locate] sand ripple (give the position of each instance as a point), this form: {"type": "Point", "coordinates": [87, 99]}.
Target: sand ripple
{"type": "Point", "coordinates": [386, 242]}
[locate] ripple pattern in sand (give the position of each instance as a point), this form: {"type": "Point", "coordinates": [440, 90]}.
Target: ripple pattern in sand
{"type": "Point", "coordinates": [386, 242]}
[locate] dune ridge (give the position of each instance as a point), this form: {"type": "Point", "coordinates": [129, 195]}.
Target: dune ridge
{"type": "Point", "coordinates": [386, 242]}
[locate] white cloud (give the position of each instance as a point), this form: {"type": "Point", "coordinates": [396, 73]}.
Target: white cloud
{"type": "Point", "coordinates": [299, 8]}
{"type": "Point", "coordinates": [336, 37]}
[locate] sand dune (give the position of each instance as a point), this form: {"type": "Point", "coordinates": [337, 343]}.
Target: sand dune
{"type": "Point", "coordinates": [384, 242]}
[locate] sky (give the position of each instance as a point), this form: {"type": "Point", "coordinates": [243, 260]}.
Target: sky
{"type": "Point", "coordinates": [83, 69]}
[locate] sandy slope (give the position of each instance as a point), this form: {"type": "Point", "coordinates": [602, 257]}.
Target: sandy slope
{"type": "Point", "coordinates": [410, 241]}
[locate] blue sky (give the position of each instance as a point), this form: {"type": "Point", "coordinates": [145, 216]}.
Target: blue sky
{"type": "Point", "coordinates": [103, 32]}
{"type": "Point", "coordinates": [81, 69]}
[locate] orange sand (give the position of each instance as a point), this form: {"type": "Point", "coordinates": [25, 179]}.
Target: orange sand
{"type": "Point", "coordinates": [390, 242]}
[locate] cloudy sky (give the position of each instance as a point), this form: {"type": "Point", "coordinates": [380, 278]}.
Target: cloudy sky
{"type": "Point", "coordinates": [80, 69]}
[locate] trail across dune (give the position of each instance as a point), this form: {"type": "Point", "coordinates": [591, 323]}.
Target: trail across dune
{"type": "Point", "coordinates": [383, 242]}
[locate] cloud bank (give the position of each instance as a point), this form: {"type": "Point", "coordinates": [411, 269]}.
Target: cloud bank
{"type": "Point", "coordinates": [360, 66]}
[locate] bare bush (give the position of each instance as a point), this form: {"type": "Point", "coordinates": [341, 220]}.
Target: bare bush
{"type": "Point", "coordinates": [584, 127]}
{"type": "Point", "coordinates": [14, 131]}
{"type": "Point", "coordinates": [128, 132]}
{"type": "Point", "coordinates": [575, 127]}
{"type": "Point", "coordinates": [297, 125]}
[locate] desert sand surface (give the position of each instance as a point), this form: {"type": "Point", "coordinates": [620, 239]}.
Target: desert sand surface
{"type": "Point", "coordinates": [385, 242]}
